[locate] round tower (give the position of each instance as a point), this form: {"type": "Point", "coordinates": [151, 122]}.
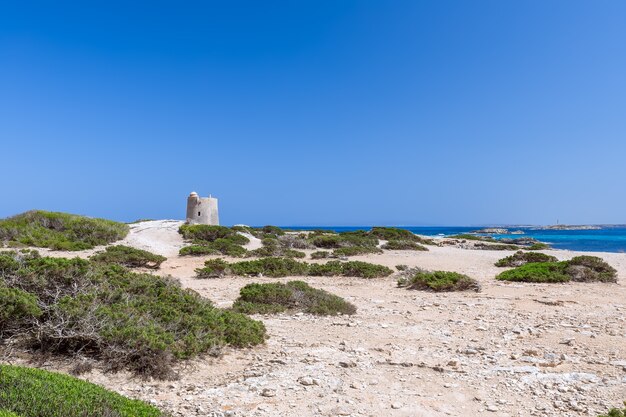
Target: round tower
{"type": "Point", "coordinates": [202, 210]}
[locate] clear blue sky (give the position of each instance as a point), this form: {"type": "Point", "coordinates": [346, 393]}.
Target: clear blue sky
{"type": "Point", "coordinates": [316, 112]}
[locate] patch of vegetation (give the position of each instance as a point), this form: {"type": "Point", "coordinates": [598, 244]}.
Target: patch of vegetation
{"type": "Point", "coordinates": [520, 258]}
{"type": "Point", "coordinates": [283, 267]}
{"type": "Point", "coordinates": [355, 251]}
{"type": "Point", "coordinates": [342, 240]}
{"type": "Point", "coordinates": [129, 257]}
{"type": "Point", "coordinates": [468, 236]}
{"type": "Point", "coordinates": [321, 254]}
{"type": "Point", "coordinates": [590, 269]}
{"type": "Point", "coordinates": [579, 269]}
{"type": "Point", "coordinates": [140, 322]}
{"type": "Point", "coordinates": [274, 248]}
{"type": "Point", "coordinates": [615, 412]}
{"type": "Point", "coordinates": [496, 246]}
{"type": "Point", "coordinates": [396, 234]}
{"type": "Point", "coordinates": [198, 250]}
{"type": "Point", "coordinates": [293, 296]}
{"type": "Point", "coordinates": [403, 245]}
{"type": "Point", "coordinates": [267, 231]}
{"type": "Point", "coordinates": [211, 240]}
{"type": "Point", "coordinates": [59, 231]}
{"type": "Point", "coordinates": [437, 281]}
{"type": "Point", "coordinates": [537, 272]}
{"type": "Point", "coordinates": [213, 268]}
{"type": "Point", "coordinates": [28, 392]}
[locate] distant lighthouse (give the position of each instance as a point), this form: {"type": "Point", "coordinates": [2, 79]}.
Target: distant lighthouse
{"type": "Point", "coordinates": [202, 210]}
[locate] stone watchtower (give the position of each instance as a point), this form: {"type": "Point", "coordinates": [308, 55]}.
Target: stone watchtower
{"type": "Point", "coordinates": [202, 210]}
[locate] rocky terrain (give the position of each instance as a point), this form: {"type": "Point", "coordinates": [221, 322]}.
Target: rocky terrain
{"type": "Point", "coordinates": [509, 350]}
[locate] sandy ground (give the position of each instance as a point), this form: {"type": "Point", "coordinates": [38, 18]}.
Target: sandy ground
{"type": "Point", "coordinates": [509, 350]}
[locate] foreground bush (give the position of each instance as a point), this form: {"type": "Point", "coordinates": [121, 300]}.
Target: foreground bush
{"type": "Point", "coordinates": [283, 267]}
{"type": "Point", "coordinates": [28, 392]}
{"type": "Point", "coordinates": [403, 245]}
{"type": "Point", "coordinates": [293, 296]}
{"type": "Point", "coordinates": [130, 257]}
{"type": "Point", "coordinates": [140, 322]}
{"type": "Point", "coordinates": [60, 231]}
{"type": "Point", "coordinates": [520, 258]}
{"type": "Point", "coordinates": [437, 281]}
{"type": "Point", "coordinates": [615, 412]}
{"type": "Point", "coordinates": [579, 269]}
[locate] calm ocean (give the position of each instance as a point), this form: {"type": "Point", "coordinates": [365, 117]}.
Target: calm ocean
{"type": "Point", "coordinates": [608, 239]}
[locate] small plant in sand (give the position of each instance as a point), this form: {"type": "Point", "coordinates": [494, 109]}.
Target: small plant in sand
{"type": "Point", "coordinates": [276, 248]}
{"type": "Point", "coordinates": [579, 269]}
{"type": "Point", "coordinates": [28, 392]}
{"type": "Point", "coordinates": [293, 296]}
{"type": "Point", "coordinates": [438, 281]}
{"type": "Point", "coordinates": [538, 246]}
{"type": "Point", "coordinates": [321, 254]}
{"type": "Point", "coordinates": [403, 245]}
{"type": "Point", "coordinates": [520, 258]}
{"type": "Point", "coordinates": [616, 412]}
{"type": "Point", "coordinates": [59, 231]}
{"type": "Point", "coordinates": [129, 257]}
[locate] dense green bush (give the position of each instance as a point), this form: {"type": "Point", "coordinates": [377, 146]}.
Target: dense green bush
{"type": "Point", "coordinates": [275, 248]}
{"type": "Point", "coordinates": [213, 268]}
{"type": "Point", "coordinates": [130, 257]}
{"type": "Point", "coordinates": [28, 392]}
{"type": "Point", "coordinates": [403, 245]}
{"type": "Point", "coordinates": [437, 281]}
{"type": "Point", "coordinates": [580, 269]}
{"type": "Point", "coordinates": [283, 267]}
{"type": "Point", "coordinates": [396, 234]}
{"type": "Point", "coordinates": [355, 251]}
{"type": "Point", "coordinates": [320, 254]}
{"type": "Point", "coordinates": [520, 258]}
{"type": "Point", "coordinates": [16, 306]}
{"type": "Point", "coordinates": [342, 240]}
{"type": "Point", "coordinates": [538, 246]}
{"type": "Point", "coordinates": [537, 272]}
{"type": "Point", "coordinates": [220, 246]}
{"type": "Point", "coordinates": [206, 233]}
{"type": "Point", "coordinates": [60, 231]}
{"type": "Point", "coordinates": [198, 250]}
{"type": "Point", "coordinates": [293, 296]}
{"type": "Point", "coordinates": [139, 322]}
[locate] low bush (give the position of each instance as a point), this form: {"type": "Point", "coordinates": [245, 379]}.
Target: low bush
{"type": "Point", "coordinates": [536, 272]}
{"type": "Point", "coordinates": [321, 254]}
{"type": "Point", "coordinates": [269, 267]}
{"type": "Point", "coordinates": [538, 246]}
{"type": "Point", "coordinates": [205, 232]}
{"type": "Point", "coordinates": [140, 322]}
{"type": "Point", "coordinates": [495, 246]}
{"type": "Point", "coordinates": [579, 269]}
{"type": "Point", "coordinates": [130, 257]}
{"type": "Point", "coordinates": [342, 240]}
{"type": "Point", "coordinates": [198, 250]}
{"type": "Point", "coordinates": [396, 234]}
{"type": "Point", "coordinates": [292, 241]}
{"type": "Point", "coordinates": [403, 245]}
{"type": "Point", "coordinates": [220, 246]}
{"type": "Point", "coordinates": [467, 236]}
{"type": "Point", "coordinates": [213, 268]}
{"type": "Point", "coordinates": [283, 267]}
{"type": "Point", "coordinates": [520, 258]}
{"type": "Point", "coordinates": [275, 248]}
{"type": "Point", "coordinates": [59, 231]}
{"type": "Point", "coordinates": [438, 281]}
{"type": "Point", "coordinates": [355, 251]}
{"type": "Point", "coordinates": [590, 269]}
{"type": "Point", "coordinates": [28, 392]}
{"type": "Point", "coordinates": [293, 296]}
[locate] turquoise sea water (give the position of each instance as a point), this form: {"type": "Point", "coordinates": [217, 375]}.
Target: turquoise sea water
{"type": "Point", "coordinates": [607, 239]}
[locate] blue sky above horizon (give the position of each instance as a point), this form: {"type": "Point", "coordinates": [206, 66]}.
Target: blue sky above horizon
{"type": "Point", "coordinates": [316, 112]}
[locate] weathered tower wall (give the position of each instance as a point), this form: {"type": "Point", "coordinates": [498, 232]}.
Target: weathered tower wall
{"type": "Point", "coordinates": [202, 210]}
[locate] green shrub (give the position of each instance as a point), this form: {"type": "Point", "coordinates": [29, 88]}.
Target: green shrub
{"type": "Point", "coordinates": [495, 246]}
{"type": "Point", "coordinates": [329, 269]}
{"type": "Point", "coordinates": [355, 251]}
{"type": "Point", "coordinates": [293, 296]}
{"type": "Point", "coordinates": [139, 322]}
{"type": "Point", "coordinates": [269, 267]}
{"type": "Point", "coordinates": [28, 392]}
{"type": "Point", "coordinates": [467, 236]}
{"type": "Point", "coordinates": [364, 270]}
{"type": "Point", "coordinates": [130, 257]}
{"type": "Point", "coordinates": [537, 272]}
{"type": "Point", "coordinates": [590, 269]}
{"type": "Point", "coordinates": [16, 305]}
{"type": "Point", "coordinates": [396, 234]}
{"type": "Point", "coordinates": [4, 413]}
{"type": "Point", "coordinates": [321, 254]}
{"type": "Point", "coordinates": [60, 231]}
{"type": "Point", "coordinates": [213, 268]}
{"type": "Point", "coordinates": [275, 248]}
{"type": "Point", "coordinates": [205, 232]}
{"type": "Point", "coordinates": [345, 239]}
{"type": "Point", "coordinates": [403, 245]}
{"type": "Point", "coordinates": [520, 258]}
{"type": "Point", "coordinates": [438, 281]}
{"type": "Point", "coordinates": [198, 250]}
